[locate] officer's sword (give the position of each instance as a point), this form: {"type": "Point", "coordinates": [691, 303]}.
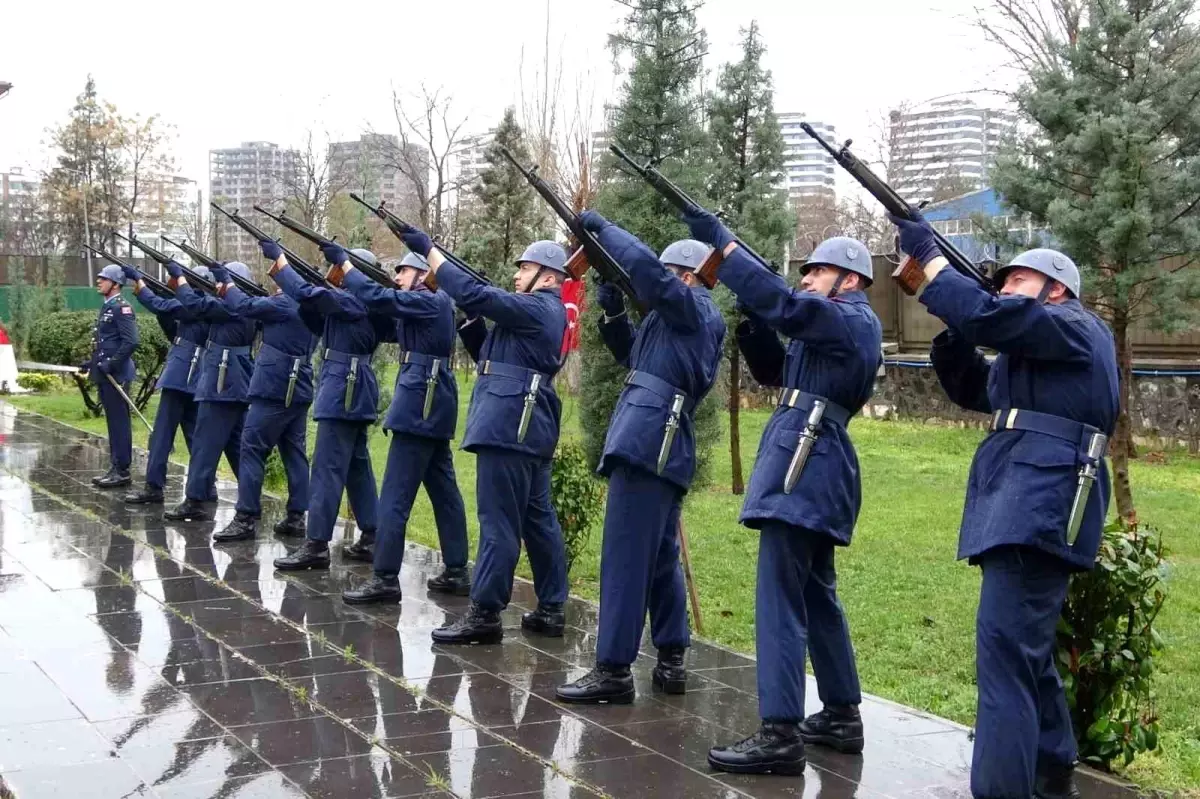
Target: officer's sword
{"type": "Point", "coordinates": [128, 401]}
{"type": "Point", "coordinates": [221, 371]}
{"type": "Point", "coordinates": [664, 451]}
{"type": "Point", "coordinates": [1087, 476]}
{"type": "Point", "coordinates": [351, 380]}
{"type": "Point", "coordinates": [430, 386]}
{"type": "Point", "coordinates": [291, 389]}
{"type": "Point", "coordinates": [808, 437]}
{"type": "Point", "coordinates": [527, 411]}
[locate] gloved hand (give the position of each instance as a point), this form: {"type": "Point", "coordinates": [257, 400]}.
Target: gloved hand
{"type": "Point", "coordinates": [593, 221]}
{"type": "Point", "coordinates": [174, 269]}
{"type": "Point", "coordinates": [747, 313]}
{"type": "Point", "coordinates": [104, 366]}
{"type": "Point", "coordinates": [85, 367]}
{"type": "Point", "coordinates": [334, 254]}
{"type": "Point", "coordinates": [610, 299]}
{"type": "Point", "coordinates": [219, 273]}
{"type": "Point", "coordinates": [130, 273]}
{"type": "Point", "coordinates": [270, 250]}
{"type": "Point", "coordinates": [418, 241]}
{"type": "Point", "coordinates": [707, 228]}
{"type": "Point", "coordinates": [916, 238]}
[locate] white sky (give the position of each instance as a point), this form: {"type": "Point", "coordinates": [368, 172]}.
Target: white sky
{"type": "Point", "coordinates": [241, 70]}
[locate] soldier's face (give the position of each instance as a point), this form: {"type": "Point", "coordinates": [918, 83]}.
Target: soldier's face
{"type": "Point", "coordinates": [526, 274]}
{"type": "Point", "coordinates": [104, 285]}
{"type": "Point", "coordinates": [406, 279]}
{"type": "Point", "coordinates": [1024, 282]}
{"type": "Point", "coordinates": [819, 279]}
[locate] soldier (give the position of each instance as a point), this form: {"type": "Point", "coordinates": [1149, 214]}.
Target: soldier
{"type": "Point", "coordinates": [221, 392]}
{"type": "Point", "coordinates": [1052, 393]}
{"type": "Point", "coordinates": [280, 393]}
{"type": "Point", "coordinates": [115, 339]}
{"type": "Point", "coordinates": [346, 406]}
{"type": "Point", "coordinates": [422, 419]}
{"type": "Point", "coordinates": [649, 459]}
{"type": "Point", "coordinates": [176, 385]}
{"type": "Point", "coordinates": [512, 427]}
{"type": "Point", "coordinates": [804, 493]}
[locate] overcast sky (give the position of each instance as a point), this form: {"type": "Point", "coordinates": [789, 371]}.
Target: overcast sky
{"type": "Point", "coordinates": [241, 70]}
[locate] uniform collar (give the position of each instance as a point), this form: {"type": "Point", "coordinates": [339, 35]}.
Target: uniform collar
{"type": "Point", "coordinates": [113, 298]}
{"type": "Point", "coordinates": [555, 290]}
{"type": "Point", "coordinates": [856, 296]}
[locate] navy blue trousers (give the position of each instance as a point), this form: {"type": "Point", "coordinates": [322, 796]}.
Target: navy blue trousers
{"type": "Point", "coordinates": [797, 613]}
{"type": "Point", "coordinates": [512, 493]}
{"type": "Point", "coordinates": [1022, 719]}
{"type": "Point", "coordinates": [639, 567]}
{"type": "Point", "coordinates": [268, 425]}
{"type": "Point", "coordinates": [341, 462]}
{"type": "Point", "coordinates": [176, 409]}
{"type": "Point", "coordinates": [414, 461]}
{"type": "Point", "coordinates": [218, 429]}
{"type": "Point", "coordinates": [120, 427]}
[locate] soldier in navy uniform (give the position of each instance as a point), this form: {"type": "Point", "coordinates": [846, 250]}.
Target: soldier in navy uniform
{"type": "Point", "coordinates": [649, 459]}
{"type": "Point", "coordinates": [115, 339]}
{"type": "Point", "coordinates": [512, 427]}
{"type": "Point", "coordinates": [176, 385]}
{"type": "Point", "coordinates": [1029, 521]}
{"type": "Point", "coordinates": [346, 406]}
{"type": "Point", "coordinates": [281, 391]}
{"type": "Point", "coordinates": [221, 393]}
{"type": "Point", "coordinates": [422, 420]}
{"type": "Point", "coordinates": [805, 491]}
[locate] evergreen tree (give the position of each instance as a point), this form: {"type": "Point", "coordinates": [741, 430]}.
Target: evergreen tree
{"type": "Point", "coordinates": [747, 157]}
{"type": "Point", "coordinates": [1113, 166]}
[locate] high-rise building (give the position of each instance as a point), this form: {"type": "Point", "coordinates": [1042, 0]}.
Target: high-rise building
{"type": "Point", "coordinates": [471, 158]}
{"type": "Point", "coordinates": [808, 170]}
{"type": "Point", "coordinates": [944, 146]}
{"type": "Point", "coordinates": [238, 177]}
{"type": "Point", "coordinates": [15, 185]}
{"type": "Point", "coordinates": [166, 205]}
{"type": "Point", "coordinates": [377, 167]}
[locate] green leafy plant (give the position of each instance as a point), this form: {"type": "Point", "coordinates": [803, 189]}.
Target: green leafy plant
{"type": "Point", "coordinates": [1107, 646]}
{"type": "Point", "coordinates": [274, 475]}
{"type": "Point", "coordinates": [37, 381]}
{"type": "Point", "coordinates": [577, 495]}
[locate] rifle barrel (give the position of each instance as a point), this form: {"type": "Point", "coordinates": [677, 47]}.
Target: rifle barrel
{"type": "Point", "coordinates": [156, 285]}
{"type": "Point", "coordinates": [248, 286]}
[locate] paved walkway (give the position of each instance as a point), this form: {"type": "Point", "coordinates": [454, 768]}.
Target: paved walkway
{"type": "Point", "coordinates": [137, 659]}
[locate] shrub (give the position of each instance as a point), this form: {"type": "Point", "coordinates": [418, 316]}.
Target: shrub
{"type": "Point", "coordinates": [1107, 644]}
{"type": "Point", "coordinates": [37, 381]}
{"type": "Point", "coordinates": [577, 495]}
{"type": "Point", "coordinates": [274, 476]}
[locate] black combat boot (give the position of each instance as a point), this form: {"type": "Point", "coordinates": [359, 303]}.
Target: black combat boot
{"type": "Point", "coordinates": [604, 685]}
{"type": "Point", "coordinates": [190, 510]}
{"type": "Point", "coordinates": [242, 528]}
{"type": "Point", "coordinates": [380, 589]}
{"type": "Point", "coordinates": [479, 626]}
{"type": "Point", "coordinates": [292, 524]}
{"type": "Point", "coordinates": [1055, 781]}
{"type": "Point", "coordinates": [117, 478]}
{"type": "Point", "coordinates": [362, 550]}
{"type": "Point", "coordinates": [670, 676]}
{"type": "Point", "coordinates": [839, 727]}
{"type": "Point", "coordinates": [309, 555]}
{"type": "Point", "coordinates": [456, 581]}
{"type": "Point", "coordinates": [776, 748]}
{"type": "Point", "coordinates": [149, 495]}
{"type": "Point", "coordinates": [548, 619]}
{"type": "Point", "coordinates": [102, 477]}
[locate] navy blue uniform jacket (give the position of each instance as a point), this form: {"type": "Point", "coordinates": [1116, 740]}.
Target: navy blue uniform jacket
{"type": "Point", "coordinates": [227, 332]}
{"type": "Point", "coordinates": [185, 332]}
{"type": "Point", "coordinates": [114, 340]}
{"type": "Point", "coordinates": [286, 336]}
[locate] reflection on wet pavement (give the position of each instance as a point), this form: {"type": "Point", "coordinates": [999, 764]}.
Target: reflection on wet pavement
{"type": "Point", "coordinates": [137, 659]}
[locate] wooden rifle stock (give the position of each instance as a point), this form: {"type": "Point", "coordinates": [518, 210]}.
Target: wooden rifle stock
{"type": "Point", "coordinates": [707, 273]}
{"type": "Point", "coordinates": [577, 265]}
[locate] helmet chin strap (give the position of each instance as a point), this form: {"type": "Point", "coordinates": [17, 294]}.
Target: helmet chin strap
{"type": "Point", "coordinates": [837, 285]}
{"type": "Point", "coordinates": [1047, 287]}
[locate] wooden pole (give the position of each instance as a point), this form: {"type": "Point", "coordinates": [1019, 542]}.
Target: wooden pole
{"type": "Point", "coordinates": [686, 557]}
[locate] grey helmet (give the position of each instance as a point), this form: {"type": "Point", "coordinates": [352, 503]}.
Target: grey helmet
{"type": "Point", "coordinates": [366, 255]}
{"type": "Point", "coordinates": [112, 272]}
{"type": "Point", "coordinates": [415, 261]}
{"type": "Point", "coordinates": [238, 268]}
{"type": "Point", "coordinates": [844, 253]}
{"type": "Point", "coordinates": [202, 271]}
{"type": "Point", "coordinates": [686, 254]}
{"type": "Point", "coordinates": [548, 254]}
{"type": "Point", "coordinates": [1051, 263]}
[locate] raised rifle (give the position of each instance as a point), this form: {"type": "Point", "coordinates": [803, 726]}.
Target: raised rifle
{"type": "Point", "coordinates": [398, 227]}
{"type": "Point", "coordinates": [194, 278]}
{"type": "Point", "coordinates": [304, 231]}
{"type": "Point", "coordinates": [163, 290]}
{"type": "Point", "coordinates": [248, 286]}
{"type": "Point", "coordinates": [909, 274]}
{"type": "Point", "coordinates": [303, 268]}
{"type": "Point", "coordinates": [589, 252]}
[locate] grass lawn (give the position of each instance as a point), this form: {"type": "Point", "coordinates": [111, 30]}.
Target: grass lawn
{"type": "Point", "coordinates": [911, 605]}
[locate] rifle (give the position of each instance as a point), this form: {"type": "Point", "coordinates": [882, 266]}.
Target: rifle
{"type": "Point", "coordinates": [589, 251]}
{"type": "Point", "coordinates": [398, 226]}
{"type": "Point", "coordinates": [164, 290]}
{"type": "Point", "coordinates": [248, 286]}
{"type": "Point", "coordinates": [304, 231]}
{"type": "Point", "coordinates": [193, 277]}
{"type": "Point", "coordinates": [303, 268]}
{"type": "Point", "coordinates": [909, 274]}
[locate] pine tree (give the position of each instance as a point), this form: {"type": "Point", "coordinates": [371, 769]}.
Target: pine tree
{"type": "Point", "coordinates": [747, 161]}
{"type": "Point", "coordinates": [1113, 166]}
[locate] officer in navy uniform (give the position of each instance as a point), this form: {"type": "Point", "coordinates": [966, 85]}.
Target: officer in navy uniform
{"type": "Point", "coordinates": [225, 373]}
{"type": "Point", "coordinates": [1031, 518]}
{"type": "Point", "coordinates": [805, 491]}
{"type": "Point", "coordinates": [512, 427]}
{"type": "Point", "coordinates": [422, 420]}
{"type": "Point", "coordinates": [346, 406]}
{"type": "Point", "coordinates": [649, 459]}
{"type": "Point", "coordinates": [281, 391]}
{"type": "Point", "coordinates": [176, 385]}
{"type": "Point", "coordinates": [115, 339]}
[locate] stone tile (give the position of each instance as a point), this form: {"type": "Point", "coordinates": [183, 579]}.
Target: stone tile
{"type": "Point", "coordinates": [375, 774]}
{"type": "Point", "coordinates": [50, 743]}
{"type": "Point", "coordinates": [492, 771]}
{"type": "Point", "coordinates": [179, 723]}
{"type": "Point", "coordinates": [570, 740]}
{"type": "Point", "coordinates": [653, 775]}
{"type": "Point", "coordinates": [112, 686]}
{"type": "Point", "coordinates": [246, 702]}
{"type": "Point", "coordinates": [487, 700]}
{"type": "Point", "coordinates": [176, 763]}
{"type": "Point", "coordinates": [110, 777]}
{"type": "Point", "coordinates": [282, 743]}
{"type": "Point", "coordinates": [34, 698]}
{"type": "Point", "coordinates": [271, 785]}
{"type": "Point", "coordinates": [645, 709]}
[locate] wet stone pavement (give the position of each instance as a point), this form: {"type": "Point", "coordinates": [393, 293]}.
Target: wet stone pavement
{"type": "Point", "coordinates": [137, 659]}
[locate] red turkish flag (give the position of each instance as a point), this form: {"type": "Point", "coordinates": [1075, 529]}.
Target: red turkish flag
{"type": "Point", "coordinates": [572, 298]}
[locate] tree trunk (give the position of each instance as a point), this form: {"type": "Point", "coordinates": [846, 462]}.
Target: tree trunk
{"type": "Point", "coordinates": [737, 483]}
{"type": "Point", "coordinates": [1122, 448]}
